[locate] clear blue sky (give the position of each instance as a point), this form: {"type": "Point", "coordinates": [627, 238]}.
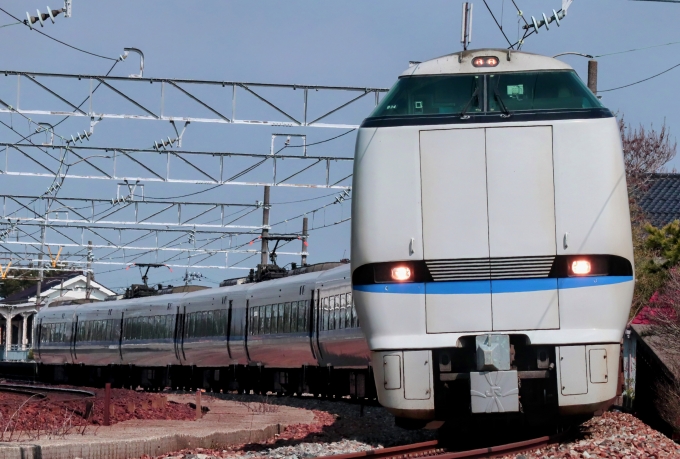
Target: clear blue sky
{"type": "Point", "coordinates": [357, 43]}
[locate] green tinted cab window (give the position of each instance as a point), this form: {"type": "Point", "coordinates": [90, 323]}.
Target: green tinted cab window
{"type": "Point", "coordinates": [539, 91]}
{"type": "Point", "coordinates": [455, 94]}
{"type": "Point", "coordinates": [432, 95]}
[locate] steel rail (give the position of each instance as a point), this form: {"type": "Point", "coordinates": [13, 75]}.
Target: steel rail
{"type": "Point", "coordinates": [433, 449]}
{"type": "Point", "coordinates": [424, 449]}
{"type": "Point", "coordinates": [42, 391]}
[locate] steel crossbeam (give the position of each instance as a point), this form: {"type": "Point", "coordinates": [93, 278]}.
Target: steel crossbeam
{"type": "Point", "coordinates": [224, 91]}
{"type": "Point", "coordinates": [107, 162]}
{"type": "Point", "coordinates": [185, 214]}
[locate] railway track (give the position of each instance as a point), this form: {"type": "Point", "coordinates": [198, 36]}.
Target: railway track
{"type": "Point", "coordinates": [59, 394]}
{"type": "Point", "coordinates": [433, 449]}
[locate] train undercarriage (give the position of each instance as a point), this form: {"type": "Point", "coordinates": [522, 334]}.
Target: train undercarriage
{"type": "Point", "coordinates": [326, 382]}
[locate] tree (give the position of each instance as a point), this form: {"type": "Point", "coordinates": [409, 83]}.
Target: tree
{"type": "Point", "coordinates": [645, 152]}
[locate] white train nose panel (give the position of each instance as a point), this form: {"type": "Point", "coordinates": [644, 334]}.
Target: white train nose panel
{"type": "Point", "coordinates": [455, 223]}
{"type": "Point", "coordinates": [521, 200]}
{"type": "Point", "coordinates": [521, 191]}
{"type": "Point", "coordinates": [488, 194]}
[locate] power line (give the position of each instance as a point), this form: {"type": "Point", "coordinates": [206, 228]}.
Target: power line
{"type": "Point", "coordinates": [59, 41]}
{"type": "Point", "coordinates": [638, 49]}
{"type": "Point", "coordinates": [302, 200]}
{"type": "Point", "coordinates": [322, 141]}
{"type": "Point", "coordinates": [640, 81]}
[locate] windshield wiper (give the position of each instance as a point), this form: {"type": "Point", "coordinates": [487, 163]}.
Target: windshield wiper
{"type": "Point", "coordinates": [475, 95]}
{"type": "Point", "coordinates": [497, 95]}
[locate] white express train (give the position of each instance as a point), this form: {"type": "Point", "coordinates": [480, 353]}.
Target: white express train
{"type": "Point", "coordinates": [295, 334]}
{"type": "Point", "coordinates": [492, 262]}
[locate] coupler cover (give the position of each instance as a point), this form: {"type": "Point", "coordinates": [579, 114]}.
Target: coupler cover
{"type": "Point", "coordinates": [494, 391]}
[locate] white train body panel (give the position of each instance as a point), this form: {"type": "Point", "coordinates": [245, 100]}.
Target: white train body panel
{"type": "Point", "coordinates": [489, 214]}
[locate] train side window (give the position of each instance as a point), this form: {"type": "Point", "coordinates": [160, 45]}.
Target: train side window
{"type": "Point", "coordinates": [324, 313]}
{"type": "Point", "coordinates": [286, 318]}
{"type": "Point", "coordinates": [337, 313]}
{"type": "Point", "coordinates": [303, 316]}
{"type": "Point", "coordinates": [328, 310]}
{"type": "Point", "coordinates": [294, 316]}
{"type": "Point", "coordinates": [162, 326]}
{"type": "Point", "coordinates": [191, 324]}
{"type": "Point", "coordinates": [344, 312]}
{"type": "Point", "coordinates": [254, 323]}
{"type": "Point", "coordinates": [281, 317]}
{"type": "Point", "coordinates": [333, 308]}
{"type": "Point", "coordinates": [268, 319]}
{"type": "Point", "coordinates": [260, 329]}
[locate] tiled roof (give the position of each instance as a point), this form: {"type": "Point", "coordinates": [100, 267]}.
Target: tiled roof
{"type": "Point", "coordinates": [24, 295]}
{"type": "Point", "coordinates": [661, 203]}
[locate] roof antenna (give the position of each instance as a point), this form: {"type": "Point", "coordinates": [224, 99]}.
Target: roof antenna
{"type": "Point", "coordinates": [466, 28]}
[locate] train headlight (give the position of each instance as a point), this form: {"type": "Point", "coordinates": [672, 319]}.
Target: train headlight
{"type": "Point", "coordinates": [594, 265]}
{"type": "Point", "coordinates": [580, 267]}
{"type": "Point", "coordinates": [401, 273]}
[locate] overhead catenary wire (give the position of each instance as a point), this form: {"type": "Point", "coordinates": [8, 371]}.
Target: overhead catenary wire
{"type": "Point", "coordinates": [59, 41]}
{"type": "Point", "coordinates": [638, 49]}
{"type": "Point", "coordinates": [640, 81]}
{"type": "Point", "coordinates": [253, 167]}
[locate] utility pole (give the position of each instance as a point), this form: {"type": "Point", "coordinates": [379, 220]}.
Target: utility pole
{"type": "Point", "coordinates": [265, 230]}
{"type": "Point", "coordinates": [303, 261]}
{"type": "Point", "coordinates": [40, 262]}
{"type": "Point", "coordinates": [88, 288]}
{"type": "Point", "coordinates": [592, 76]}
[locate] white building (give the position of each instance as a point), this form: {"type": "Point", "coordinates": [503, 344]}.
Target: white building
{"type": "Point", "coordinates": [18, 309]}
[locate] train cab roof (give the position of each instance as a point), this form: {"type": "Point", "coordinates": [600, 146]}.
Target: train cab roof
{"type": "Point", "coordinates": [485, 61]}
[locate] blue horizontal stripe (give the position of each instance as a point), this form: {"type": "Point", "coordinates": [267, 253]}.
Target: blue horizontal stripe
{"type": "Point", "coordinates": [523, 285]}
{"type": "Point", "coordinates": [413, 287]}
{"type": "Point", "coordinates": [578, 282]}
{"type": "Point", "coordinates": [495, 286]}
{"type": "Point", "coordinates": [459, 287]}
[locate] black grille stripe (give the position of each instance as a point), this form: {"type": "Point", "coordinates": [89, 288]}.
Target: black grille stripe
{"type": "Point", "coordinates": [490, 268]}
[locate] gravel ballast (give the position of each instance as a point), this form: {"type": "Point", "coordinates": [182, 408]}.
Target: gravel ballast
{"type": "Point", "coordinates": [341, 428]}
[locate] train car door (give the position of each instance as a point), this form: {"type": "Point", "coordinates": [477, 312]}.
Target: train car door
{"type": "Point", "coordinates": [229, 306]}
{"type": "Point", "coordinates": [39, 340]}
{"type": "Point", "coordinates": [310, 327]}
{"type": "Point", "coordinates": [178, 338]}
{"type": "Point", "coordinates": [247, 330]}
{"type": "Point", "coordinates": [72, 340]}
{"type": "Point", "coordinates": [122, 335]}
{"type": "Point", "coordinates": [315, 323]}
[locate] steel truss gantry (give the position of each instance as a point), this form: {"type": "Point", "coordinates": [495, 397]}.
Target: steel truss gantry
{"type": "Point", "coordinates": [211, 90]}
{"type": "Point", "coordinates": [105, 163]}
{"type": "Point", "coordinates": [145, 212]}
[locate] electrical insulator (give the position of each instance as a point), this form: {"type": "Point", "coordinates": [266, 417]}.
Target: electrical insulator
{"type": "Point", "coordinates": [51, 14]}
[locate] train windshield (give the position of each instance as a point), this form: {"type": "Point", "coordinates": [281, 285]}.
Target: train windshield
{"type": "Point", "coordinates": [432, 95]}
{"type": "Point", "coordinates": [539, 91]}
{"type": "Point", "coordinates": [459, 94]}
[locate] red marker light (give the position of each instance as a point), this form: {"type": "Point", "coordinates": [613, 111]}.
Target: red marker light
{"type": "Point", "coordinates": [401, 273]}
{"type": "Point", "coordinates": [485, 61]}
{"type": "Point", "coordinates": [580, 267]}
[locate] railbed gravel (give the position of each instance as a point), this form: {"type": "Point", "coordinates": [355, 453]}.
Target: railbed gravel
{"type": "Point", "coordinates": [340, 428]}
